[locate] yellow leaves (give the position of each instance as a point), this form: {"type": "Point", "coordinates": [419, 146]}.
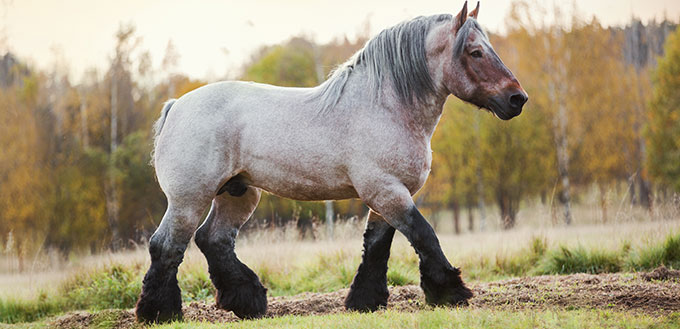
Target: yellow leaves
{"type": "Point", "coordinates": [21, 170]}
{"type": "Point", "coordinates": [663, 133]}
{"type": "Point", "coordinates": [288, 65]}
{"type": "Point", "coordinates": [187, 85]}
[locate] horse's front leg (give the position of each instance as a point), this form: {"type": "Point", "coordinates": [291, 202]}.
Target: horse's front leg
{"type": "Point", "coordinates": [440, 281]}
{"type": "Point", "coordinates": [369, 287]}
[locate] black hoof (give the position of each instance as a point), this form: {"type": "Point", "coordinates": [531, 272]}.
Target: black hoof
{"type": "Point", "coordinates": [449, 289]}
{"type": "Point", "coordinates": [159, 304]}
{"type": "Point", "coordinates": [366, 299]}
{"type": "Point", "coordinates": [248, 300]}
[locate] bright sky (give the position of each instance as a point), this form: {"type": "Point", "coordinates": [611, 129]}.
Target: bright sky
{"type": "Point", "coordinates": [214, 37]}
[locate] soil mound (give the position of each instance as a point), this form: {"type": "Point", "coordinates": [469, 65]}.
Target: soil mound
{"type": "Point", "coordinates": [662, 273]}
{"type": "Point", "coordinates": [656, 292]}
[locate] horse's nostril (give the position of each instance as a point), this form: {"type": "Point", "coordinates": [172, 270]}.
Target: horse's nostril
{"type": "Point", "coordinates": [518, 100]}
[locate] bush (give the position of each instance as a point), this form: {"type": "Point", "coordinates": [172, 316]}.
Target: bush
{"type": "Point", "coordinates": [112, 287]}
{"type": "Point", "coordinates": [580, 260]}
{"type": "Point", "coordinates": [523, 262]}
{"type": "Point", "coordinates": [649, 257]}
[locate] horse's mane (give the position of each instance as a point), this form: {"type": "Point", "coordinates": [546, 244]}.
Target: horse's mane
{"type": "Point", "coordinates": [397, 56]}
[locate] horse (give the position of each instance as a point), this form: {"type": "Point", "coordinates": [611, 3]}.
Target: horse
{"type": "Point", "coordinates": [363, 133]}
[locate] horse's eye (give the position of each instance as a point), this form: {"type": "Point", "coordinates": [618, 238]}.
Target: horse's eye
{"type": "Point", "coordinates": [476, 54]}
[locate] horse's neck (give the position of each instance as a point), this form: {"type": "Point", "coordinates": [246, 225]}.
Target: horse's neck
{"type": "Point", "coordinates": [421, 119]}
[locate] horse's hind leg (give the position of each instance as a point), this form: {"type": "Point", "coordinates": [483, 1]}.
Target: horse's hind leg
{"type": "Point", "coordinates": [238, 287]}
{"type": "Point", "coordinates": [160, 299]}
{"type": "Point", "coordinates": [369, 287]}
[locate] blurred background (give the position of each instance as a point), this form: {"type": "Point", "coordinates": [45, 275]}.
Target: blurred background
{"type": "Point", "coordinates": [81, 83]}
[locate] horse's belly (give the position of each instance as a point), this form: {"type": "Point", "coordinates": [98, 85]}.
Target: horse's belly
{"type": "Point", "coordinates": [311, 184]}
{"type": "Point", "coordinates": [307, 192]}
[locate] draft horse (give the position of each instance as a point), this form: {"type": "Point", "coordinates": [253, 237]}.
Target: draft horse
{"type": "Point", "coordinates": [364, 133]}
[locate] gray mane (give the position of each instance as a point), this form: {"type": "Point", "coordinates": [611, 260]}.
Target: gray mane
{"type": "Point", "coordinates": [398, 54]}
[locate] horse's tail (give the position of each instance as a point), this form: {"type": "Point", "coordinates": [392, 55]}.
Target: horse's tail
{"type": "Point", "coordinates": [158, 126]}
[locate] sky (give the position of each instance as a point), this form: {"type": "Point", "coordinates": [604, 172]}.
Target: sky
{"type": "Point", "coordinates": [214, 38]}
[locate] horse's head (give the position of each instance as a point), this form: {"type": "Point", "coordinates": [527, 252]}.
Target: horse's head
{"type": "Point", "coordinates": [476, 73]}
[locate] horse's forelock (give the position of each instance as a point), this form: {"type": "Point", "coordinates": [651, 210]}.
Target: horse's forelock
{"type": "Point", "coordinates": [463, 33]}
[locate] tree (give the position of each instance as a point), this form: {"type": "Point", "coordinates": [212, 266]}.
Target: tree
{"type": "Point", "coordinates": [22, 173]}
{"type": "Point", "coordinates": [453, 181]}
{"type": "Point", "coordinates": [663, 130]}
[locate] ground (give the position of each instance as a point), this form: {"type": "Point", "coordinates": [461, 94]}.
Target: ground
{"type": "Point", "coordinates": [655, 294]}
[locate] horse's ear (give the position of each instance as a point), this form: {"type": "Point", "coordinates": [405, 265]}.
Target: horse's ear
{"type": "Point", "coordinates": [475, 12]}
{"type": "Point", "coordinates": [460, 19]}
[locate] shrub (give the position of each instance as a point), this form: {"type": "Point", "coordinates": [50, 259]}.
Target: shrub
{"type": "Point", "coordinates": [113, 287]}
{"type": "Point", "coordinates": [649, 257]}
{"type": "Point", "coordinates": [579, 260]}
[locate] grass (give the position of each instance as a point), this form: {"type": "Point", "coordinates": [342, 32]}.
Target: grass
{"type": "Point", "coordinates": [446, 318]}
{"type": "Point", "coordinates": [667, 253]}
{"type": "Point", "coordinates": [290, 268]}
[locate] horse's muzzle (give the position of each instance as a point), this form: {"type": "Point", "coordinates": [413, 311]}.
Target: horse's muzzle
{"type": "Point", "coordinates": [516, 101]}
{"type": "Point", "coordinates": [508, 106]}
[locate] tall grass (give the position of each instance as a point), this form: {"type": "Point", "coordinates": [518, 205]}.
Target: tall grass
{"type": "Point", "coordinates": [667, 253]}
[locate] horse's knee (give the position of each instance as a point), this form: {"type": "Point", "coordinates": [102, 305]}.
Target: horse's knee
{"type": "Point", "coordinates": [156, 246]}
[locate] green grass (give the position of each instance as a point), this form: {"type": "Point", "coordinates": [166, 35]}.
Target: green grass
{"type": "Point", "coordinates": [458, 318]}
{"type": "Point", "coordinates": [580, 260]}
{"type": "Point", "coordinates": [17, 310]}
{"type": "Point", "coordinates": [117, 286]}
{"type": "Point", "coordinates": [667, 253]}
{"type": "Point", "coordinates": [113, 287]}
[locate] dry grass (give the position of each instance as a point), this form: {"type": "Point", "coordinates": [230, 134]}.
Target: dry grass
{"type": "Point", "coordinates": [283, 253]}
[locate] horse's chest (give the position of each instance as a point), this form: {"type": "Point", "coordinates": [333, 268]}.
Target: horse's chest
{"type": "Point", "coordinates": [412, 167]}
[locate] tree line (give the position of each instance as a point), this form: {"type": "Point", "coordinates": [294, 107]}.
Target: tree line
{"type": "Point", "coordinates": [603, 110]}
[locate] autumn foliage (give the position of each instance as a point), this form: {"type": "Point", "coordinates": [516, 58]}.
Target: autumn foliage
{"type": "Point", "coordinates": [74, 157]}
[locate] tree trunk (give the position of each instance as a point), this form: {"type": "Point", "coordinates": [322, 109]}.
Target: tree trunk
{"type": "Point", "coordinates": [471, 217]}
{"type": "Point", "coordinates": [560, 136]}
{"type": "Point", "coordinates": [85, 138]}
{"type": "Point", "coordinates": [480, 182]}
{"type": "Point", "coordinates": [456, 217]}
{"type": "Point", "coordinates": [111, 193]}
{"type": "Point", "coordinates": [329, 218]}
{"type": "Point", "coordinates": [557, 91]}
{"type": "Point", "coordinates": [644, 192]}
{"type": "Point", "coordinates": [508, 211]}
{"type": "Point", "coordinates": [603, 202]}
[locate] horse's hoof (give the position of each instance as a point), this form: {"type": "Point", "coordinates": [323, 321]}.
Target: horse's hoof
{"type": "Point", "coordinates": [157, 311]}
{"type": "Point", "coordinates": [247, 301]}
{"type": "Point", "coordinates": [366, 299]}
{"type": "Point", "coordinates": [452, 291]}
{"type": "Point", "coordinates": [160, 300]}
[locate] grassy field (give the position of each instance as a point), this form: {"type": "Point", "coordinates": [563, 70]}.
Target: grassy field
{"type": "Point", "coordinates": [288, 267]}
{"type": "Point", "coordinates": [437, 318]}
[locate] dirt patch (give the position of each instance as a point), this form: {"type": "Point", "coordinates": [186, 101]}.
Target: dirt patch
{"type": "Point", "coordinates": [656, 292]}
{"type": "Point", "coordinates": [78, 319]}
{"type": "Point", "coordinates": [613, 291]}
{"type": "Point", "coordinates": [662, 273]}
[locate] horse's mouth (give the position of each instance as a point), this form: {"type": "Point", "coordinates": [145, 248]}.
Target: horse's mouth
{"type": "Point", "coordinates": [497, 109]}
